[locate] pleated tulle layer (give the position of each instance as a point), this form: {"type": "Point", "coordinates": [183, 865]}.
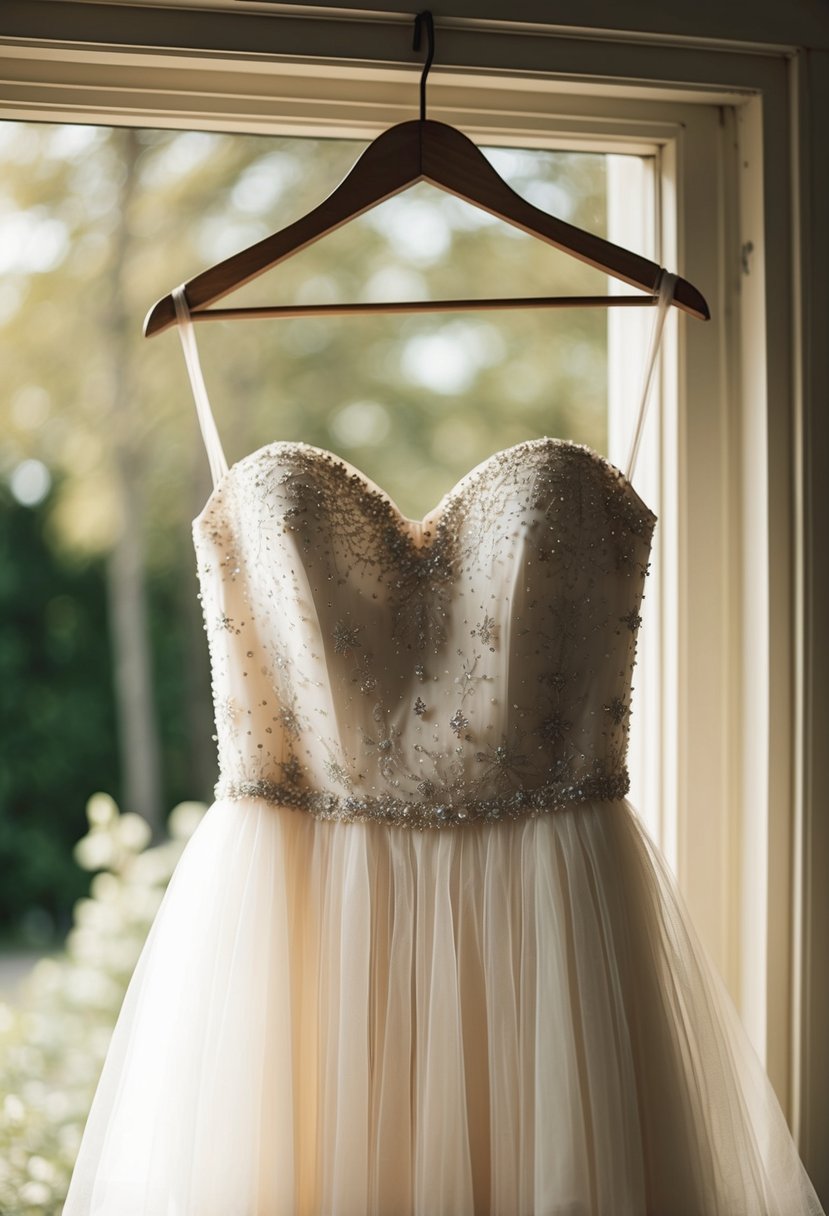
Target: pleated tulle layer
{"type": "Point", "coordinates": [511, 1019]}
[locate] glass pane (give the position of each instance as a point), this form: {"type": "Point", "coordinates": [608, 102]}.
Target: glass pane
{"type": "Point", "coordinates": [100, 441]}
{"type": "Point", "coordinates": [414, 401]}
{"type": "Point", "coordinates": [106, 696]}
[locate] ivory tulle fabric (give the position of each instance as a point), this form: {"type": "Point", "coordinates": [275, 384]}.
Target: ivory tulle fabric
{"type": "Point", "coordinates": [512, 1019]}
{"type": "Point", "coordinates": [342, 1014]}
{"type": "Point", "coordinates": [421, 957]}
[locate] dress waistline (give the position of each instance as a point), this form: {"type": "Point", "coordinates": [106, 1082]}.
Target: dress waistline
{"type": "Point", "coordinates": [431, 812]}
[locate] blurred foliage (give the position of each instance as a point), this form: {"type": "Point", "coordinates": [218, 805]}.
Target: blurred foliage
{"type": "Point", "coordinates": [486, 380]}
{"type": "Point", "coordinates": [413, 401]}
{"type": "Point", "coordinates": [53, 1044]}
{"type": "Point", "coordinates": [57, 724]}
{"type": "Point", "coordinates": [56, 727]}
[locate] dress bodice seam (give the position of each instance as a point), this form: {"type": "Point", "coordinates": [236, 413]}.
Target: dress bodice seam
{"type": "Point", "coordinates": [366, 484]}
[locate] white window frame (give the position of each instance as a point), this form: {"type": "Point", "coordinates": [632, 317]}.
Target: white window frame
{"type": "Point", "coordinates": [733, 478]}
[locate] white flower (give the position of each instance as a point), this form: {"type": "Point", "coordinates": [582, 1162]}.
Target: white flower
{"type": "Point", "coordinates": [101, 810]}
{"type": "Point", "coordinates": [185, 818]}
{"type": "Point", "coordinates": [105, 887]}
{"type": "Point", "coordinates": [35, 1193]}
{"type": "Point", "coordinates": [13, 1109]}
{"type": "Point", "coordinates": [41, 1170]}
{"type": "Point", "coordinates": [133, 831]}
{"type": "Point", "coordinates": [95, 851]}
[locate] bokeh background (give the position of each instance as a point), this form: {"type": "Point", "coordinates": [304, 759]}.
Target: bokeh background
{"type": "Point", "coordinates": [106, 731]}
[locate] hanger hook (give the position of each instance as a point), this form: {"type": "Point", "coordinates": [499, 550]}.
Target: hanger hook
{"type": "Point", "coordinates": [426, 17]}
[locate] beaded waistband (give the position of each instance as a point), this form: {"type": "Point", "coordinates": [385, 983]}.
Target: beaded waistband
{"type": "Point", "coordinates": [431, 813]}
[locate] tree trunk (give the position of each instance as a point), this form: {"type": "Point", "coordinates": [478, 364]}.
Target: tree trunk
{"type": "Point", "coordinates": [132, 657]}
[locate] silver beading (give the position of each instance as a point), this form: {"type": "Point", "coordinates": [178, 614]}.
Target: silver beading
{"type": "Point", "coordinates": [431, 812]}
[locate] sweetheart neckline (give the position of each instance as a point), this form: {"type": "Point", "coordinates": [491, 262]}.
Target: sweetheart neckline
{"type": "Point", "coordinates": [452, 492]}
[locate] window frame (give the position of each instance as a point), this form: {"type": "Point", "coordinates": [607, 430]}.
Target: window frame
{"type": "Point", "coordinates": [734, 121]}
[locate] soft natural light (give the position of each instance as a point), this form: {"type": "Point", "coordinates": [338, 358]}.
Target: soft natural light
{"type": "Point", "coordinates": [414, 227]}
{"type": "Point", "coordinates": [30, 482]}
{"type": "Point", "coordinates": [449, 361]}
{"type": "Point", "coordinates": [31, 242]}
{"type": "Point", "coordinates": [361, 422]}
{"type": "Point", "coordinates": [30, 406]}
{"type": "Point", "coordinates": [182, 155]}
{"type": "Point", "coordinates": [264, 184]}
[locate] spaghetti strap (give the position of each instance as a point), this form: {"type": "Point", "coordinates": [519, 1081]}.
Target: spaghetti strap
{"type": "Point", "coordinates": [665, 286]}
{"type": "Point", "coordinates": [210, 435]}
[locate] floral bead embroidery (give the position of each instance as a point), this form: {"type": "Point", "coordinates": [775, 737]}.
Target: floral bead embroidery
{"type": "Point", "coordinates": [474, 665]}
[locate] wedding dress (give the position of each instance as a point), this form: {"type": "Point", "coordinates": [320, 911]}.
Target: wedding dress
{"type": "Point", "coordinates": [421, 957]}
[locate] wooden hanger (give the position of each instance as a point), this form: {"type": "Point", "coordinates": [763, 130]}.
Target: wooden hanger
{"type": "Point", "coordinates": [410, 152]}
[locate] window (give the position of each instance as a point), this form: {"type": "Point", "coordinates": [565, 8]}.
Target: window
{"type": "Point", "coordinates": [98, 219]}
{"type": "Point", "coordinates": [713, 124]}
{"type": "Point", "coordinates": [414, 402]}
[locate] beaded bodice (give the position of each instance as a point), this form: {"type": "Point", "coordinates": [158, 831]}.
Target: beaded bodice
{"type": "Point", "coordinates": [473, 665]}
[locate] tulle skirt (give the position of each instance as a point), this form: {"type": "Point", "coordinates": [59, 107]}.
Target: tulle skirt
{"type": "Point", "coordinates": [504, 1019]}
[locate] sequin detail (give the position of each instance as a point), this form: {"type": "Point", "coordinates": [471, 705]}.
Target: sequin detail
{"type": "Point", "coordinates": [474, 664]}
{"type": "Point", "coordinates": [426, 813]}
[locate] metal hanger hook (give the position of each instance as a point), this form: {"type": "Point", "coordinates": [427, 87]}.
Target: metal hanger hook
{"type": "Point", "coordinates": [426, 17]}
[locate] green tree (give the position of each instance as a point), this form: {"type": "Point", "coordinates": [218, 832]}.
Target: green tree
{"type": "Point", "coordinates": [56, 716]}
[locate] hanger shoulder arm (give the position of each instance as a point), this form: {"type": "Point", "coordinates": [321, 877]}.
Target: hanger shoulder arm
{"type": "Point", "coordinates": [387, 166]}
{"type": "Point", "coordinates": [452, 161]}
{"type": "Point", "coordinates": [404, 154]}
